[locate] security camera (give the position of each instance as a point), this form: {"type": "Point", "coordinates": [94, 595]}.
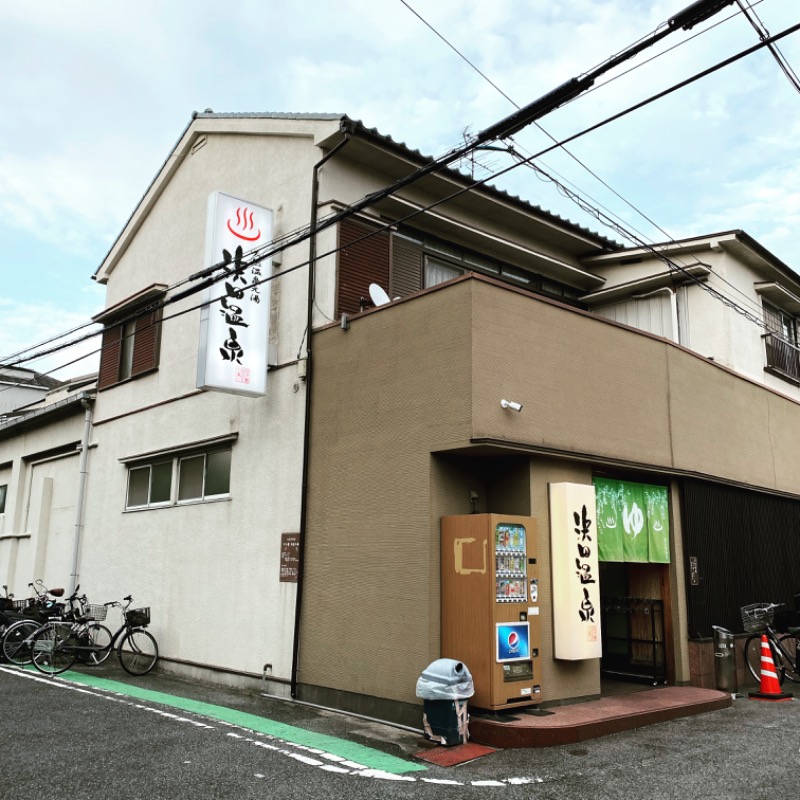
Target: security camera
{"type": "Point", "coordinates": [511, 404]}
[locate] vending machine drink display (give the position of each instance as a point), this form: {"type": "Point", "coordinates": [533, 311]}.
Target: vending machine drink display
{"type": "Point", "coordinates": [490, 606]}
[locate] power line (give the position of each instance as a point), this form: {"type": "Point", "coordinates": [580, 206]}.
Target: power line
{"type": "Point", "coordinates": [352, 209]}
{"type": "Point", "coordinates": [686, 19]}
{"type": "Point", "coordinates": [619, 226]}
{"type": "Point", "coordinates": [552, 138]}
{"type": "Point", "coordinates": [763, 34]}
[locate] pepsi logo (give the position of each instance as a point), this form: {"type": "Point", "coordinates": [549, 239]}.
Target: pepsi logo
{"type": "Point", "coordinates": [513, 641]}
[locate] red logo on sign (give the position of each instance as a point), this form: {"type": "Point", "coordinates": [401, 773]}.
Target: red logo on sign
{"type": "Point", "coordinates": [243, 226]}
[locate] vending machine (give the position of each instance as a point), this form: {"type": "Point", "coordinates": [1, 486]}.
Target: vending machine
{"type": "Point", "coordinates": [490, 606]}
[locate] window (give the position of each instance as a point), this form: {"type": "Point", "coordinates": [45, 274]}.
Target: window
{"type": "Point", "coordinates": [126, 350]}
{"type": "Point", "coordinates": [204, 476]}
{"type": "Point", "coordinates": [131, 337]}
{"type": "Point", "coordinates": [437, 272]}
{"type": "Point", "coordinates": [406, 261]}
{"type": "Point", "coordinates": [149, 485]}
{"type": "Point", "coordinates": [3, 492]}
{"type": "Point", "coordinates": [169, 481]}
{"type": "Point", "coordinates": [780, 341]}
{"type": "Point", "coordinates": [780, 323]}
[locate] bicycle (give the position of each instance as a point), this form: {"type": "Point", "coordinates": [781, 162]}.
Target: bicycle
{"type": "Point", "coordinates": [757, 620]}
{"type": "Point", "coordinates": [59, 643]}
{"type": "Point", "coordinates": [27, 617]}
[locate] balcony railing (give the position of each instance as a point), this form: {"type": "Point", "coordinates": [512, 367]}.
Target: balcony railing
{"type": "Point", "coordinates": [782, 357]}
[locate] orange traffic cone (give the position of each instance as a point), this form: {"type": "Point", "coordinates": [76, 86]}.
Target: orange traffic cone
{"type": "Point", "coordinates": [770, 686]}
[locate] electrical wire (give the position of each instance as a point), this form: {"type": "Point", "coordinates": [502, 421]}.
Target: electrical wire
{"type": "Point", "coordinates": [353, 209]}
{"type": "Point", "coordinates": [560, 183]}
{"type": "Point", "coordinates": [304, 232]}
{"type": "Point", "coordinates": [763, 34]}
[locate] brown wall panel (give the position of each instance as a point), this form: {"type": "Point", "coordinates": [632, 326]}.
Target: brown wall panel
{"type": "Point", "coordinates": [426, 375]}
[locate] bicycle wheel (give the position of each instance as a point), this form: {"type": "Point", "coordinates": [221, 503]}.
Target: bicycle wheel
{"type": "Point", "coordinates": [788, 644]}
{"type": "Point", "coordinates": [53, 650]}
{"type": "Point", "coordinates": [16, 644]}
{"type": "Point", "coordinates": [95, 645]}
{"type": "Point", "coordinates": [752, 657]}
{"type": "Point", "coordinates": [138, 652]}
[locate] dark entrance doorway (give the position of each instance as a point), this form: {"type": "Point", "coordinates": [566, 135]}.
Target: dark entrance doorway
{"type": "Point", "coordinates": [634, 605]}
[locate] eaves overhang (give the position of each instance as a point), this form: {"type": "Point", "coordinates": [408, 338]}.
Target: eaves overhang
{"type": "Point", "coordinates": [779, 296]}
{"type": "Point", "coordinates": [325, 130]}
{"type": "Point", "coordinates": [51, 413]}
{"type": "Point", "coordinates": [737, 243]}
{"type": "Point", "coordinates": [662, 280]}
{"type": "Point", "coordinates": [143, 296]}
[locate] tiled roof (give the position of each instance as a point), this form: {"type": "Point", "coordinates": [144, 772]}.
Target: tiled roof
{"type": "Point", "coordinates": [28, 377]}
{"type": "Point", "coordinates": [392, 144]}
{"type": "Point", "coordinates": [603, 243]}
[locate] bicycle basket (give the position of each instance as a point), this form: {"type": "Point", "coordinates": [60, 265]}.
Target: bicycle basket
{"type": "Point", "coordinates": [757, 616]}
{"type": "Point", "coordinates": [138, 617]}
{"type": "Point", "coordinates": [95, 612]}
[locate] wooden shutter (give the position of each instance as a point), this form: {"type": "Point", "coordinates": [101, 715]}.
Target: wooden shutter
{"type": "Point", "coordinates": [109, 356]}
{"type": "Point", "coordinates": [146, 343]}
{"type": "Point", "coordinates": [146, 347]}
{"type": "Point", "coordinates": [406, 267]}
{"type": "Point", "coordinates": [360, 264]}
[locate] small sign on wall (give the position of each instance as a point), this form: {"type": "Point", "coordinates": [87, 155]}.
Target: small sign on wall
{"type": "Point", "coordinates": [290, 557]}
{"type": "Point", "coordinates": [576, 591]}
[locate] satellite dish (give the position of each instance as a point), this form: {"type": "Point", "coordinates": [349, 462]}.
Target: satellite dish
{"type": "Point", "coordinates": [378, 295]}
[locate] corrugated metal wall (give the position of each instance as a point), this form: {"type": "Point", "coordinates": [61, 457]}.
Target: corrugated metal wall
{"type": "Point", "coordinates": [747, 550]}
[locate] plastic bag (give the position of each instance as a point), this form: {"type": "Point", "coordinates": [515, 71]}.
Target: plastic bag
{"type": "Point", "coordinates": [445, 679]}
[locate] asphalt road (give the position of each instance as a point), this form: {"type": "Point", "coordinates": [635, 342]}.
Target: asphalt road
{"type": "Point", "coordinates": [156, 737]}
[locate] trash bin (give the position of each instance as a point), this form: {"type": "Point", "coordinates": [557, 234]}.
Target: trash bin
{"type": "Point", "coordinates": [725, 660]}
{"type": "Point", "coordinates": [444, 687]}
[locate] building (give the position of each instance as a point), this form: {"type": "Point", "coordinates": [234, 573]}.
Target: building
{"type": "Point", "coordinates": [722, 295]}
{"type": "Point", "coordinates": [302, 525]}
{"type": "Point", "coordinates": [20, 387]}
{"type": "Point", "coordinates": [44, 449]}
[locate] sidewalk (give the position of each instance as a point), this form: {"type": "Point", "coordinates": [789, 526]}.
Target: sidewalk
{"type": "Point", "coordinates": [581, 721]}
{"type": "Point", "coordinates": [626, 707]}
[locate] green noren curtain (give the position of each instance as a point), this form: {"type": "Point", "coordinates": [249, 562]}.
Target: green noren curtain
{"type": "Point", "coordinates": [632, 521]}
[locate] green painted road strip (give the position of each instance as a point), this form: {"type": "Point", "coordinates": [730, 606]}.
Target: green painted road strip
{"type": "Point", "coordinates": [370, 758]}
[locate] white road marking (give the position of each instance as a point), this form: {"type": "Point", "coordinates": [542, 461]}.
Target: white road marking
{"type": "Point", "coordinates": [272, 743]}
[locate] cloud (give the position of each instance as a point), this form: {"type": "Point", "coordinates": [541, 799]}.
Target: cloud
{"type": "Point", "coordinates": [34, 328]}
{"type": "Point", "coordinates": [97, 98]}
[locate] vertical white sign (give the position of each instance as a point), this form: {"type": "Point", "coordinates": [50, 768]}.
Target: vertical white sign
{"type": "Point", "coordinates": [576, 587]}
{"type": "Point", "coordinates": [234, 320]}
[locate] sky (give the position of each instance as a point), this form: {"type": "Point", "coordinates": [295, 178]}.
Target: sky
{"type": "Point", "coordinates": [95, 95]}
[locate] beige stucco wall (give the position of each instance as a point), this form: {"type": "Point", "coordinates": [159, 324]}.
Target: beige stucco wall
{"type": "Point", "coordinates": [184, 561]}
{"type": "Point", "coordinates": [37, 531]}
{"type": "Point", "coordinates": [426, 375]}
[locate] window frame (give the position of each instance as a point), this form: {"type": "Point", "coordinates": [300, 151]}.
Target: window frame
{"type": "Point", "coordinates": [782, 350]}
{"type": "Point", "coordinates": [438, 262]}
{"type": "Point", "coordinates": [175, 459]}
{"type": "Point", "coordinates": [131, 343]}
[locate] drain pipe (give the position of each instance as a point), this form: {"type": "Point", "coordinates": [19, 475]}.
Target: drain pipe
{"type": "Point", "coordinates": [673, 301]}
{"type": "Point", "coordinates": [86, 403]}
{"type": "Point", "coordinates": [347, 128]}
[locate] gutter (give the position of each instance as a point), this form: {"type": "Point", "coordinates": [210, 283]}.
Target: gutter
{"type": "Point", "coordinates": [49, 410]}
{"type": "Point", "coordinates": [347, 129]}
